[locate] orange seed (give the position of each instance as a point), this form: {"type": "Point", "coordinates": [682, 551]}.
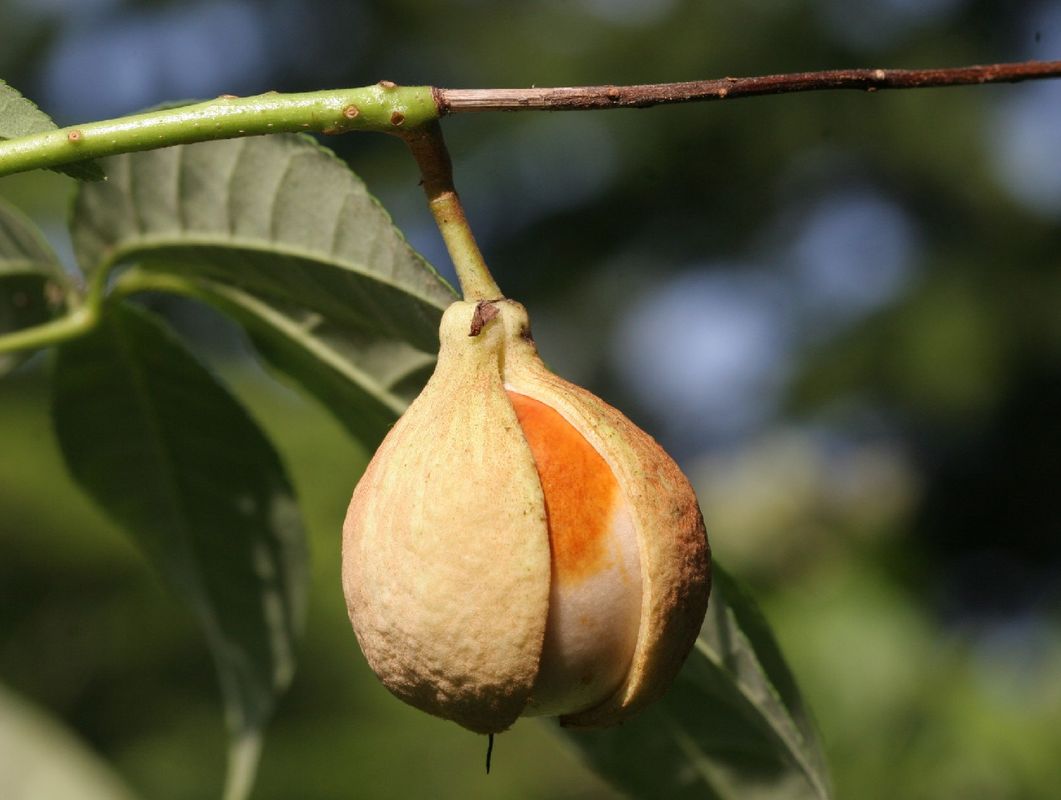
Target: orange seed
{"type": "Point", "coordinates": [579, 487]}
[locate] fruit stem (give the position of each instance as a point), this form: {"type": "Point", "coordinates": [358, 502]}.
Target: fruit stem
{"type": "Point", "coordinates": [429, 149]}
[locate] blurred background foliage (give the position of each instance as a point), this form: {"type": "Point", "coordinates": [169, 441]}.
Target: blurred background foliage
{"type": "Point", "coordinates": [841, 312]}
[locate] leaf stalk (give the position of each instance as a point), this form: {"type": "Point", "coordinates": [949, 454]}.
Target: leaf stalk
{"type": "Point", "coordinates": [81, 319]}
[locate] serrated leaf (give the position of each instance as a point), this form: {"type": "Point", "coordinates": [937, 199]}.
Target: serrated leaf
{"type": "Point", "coordinates": [19, 116]}
{"type": "Point", "coordinates": [364, 381]}
{"type": "Point", "coordinates": [172, 457]}
{"type": "Point", "coordinates": [41, 760]}
{"type": "Point", "coordinates": [732, 727]}
{"type": "Point", "coordinates": [278, 216]}
{"type": "Point", "coordinates": [31, 279]}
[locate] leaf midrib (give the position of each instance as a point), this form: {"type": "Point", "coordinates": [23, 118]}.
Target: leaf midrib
{"type": "Point", "coordinates": [318, 348]}
{"type": "Point", "coordinates": [176, 240]}
{"type": "Point", "coordinates": [794, 748]}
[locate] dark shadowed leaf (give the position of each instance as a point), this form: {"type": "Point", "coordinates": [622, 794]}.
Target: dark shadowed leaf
{"type": "Point", "coordinates": [31, 279]}
{"type": "Point", "coordinates": [171, 456]}
{"type": "Point", "coordinates": [20, 116]}
{"type": "Point", "coordinates": [364, 381]}
{"type": "Point", "coordinates": [277, 216]}
{"type": "Point", "coordinates": [732, 727]}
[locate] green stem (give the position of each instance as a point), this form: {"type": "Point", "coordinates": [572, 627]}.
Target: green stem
{"type": "Point", "coordinates": [429, 149]}
{"type": "Point", "coordinates": [77, 322]}
{"type": "Point", "coordinates": [382, 107]}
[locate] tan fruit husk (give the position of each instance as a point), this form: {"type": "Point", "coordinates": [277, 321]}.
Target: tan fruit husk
{"type": "Point", "coordinates": [672, 542]}
{"type": "Point", "coordinates": [445, 547]}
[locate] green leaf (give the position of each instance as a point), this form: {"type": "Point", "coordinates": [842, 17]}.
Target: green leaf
{"type": "Point", "coordinates": [277, 216]}
{"type": "Point", "coordinates": [41, 760]}
{"type": "Point", "coordinates": [745, 617]}
{"type": "Point", "coordinates": [732, 725]}
{"type": "Point", "coordinates": [171, 456]}
{"type": "Point", "coordinates": [31, 279]}
{"type": "Point", "coordinates": [20, 116]}
{"type": "Point", "coordinates": [364, 381]}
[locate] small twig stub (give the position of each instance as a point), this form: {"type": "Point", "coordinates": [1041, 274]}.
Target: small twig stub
{"type": "Point", "coordinates": [484, 312]}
